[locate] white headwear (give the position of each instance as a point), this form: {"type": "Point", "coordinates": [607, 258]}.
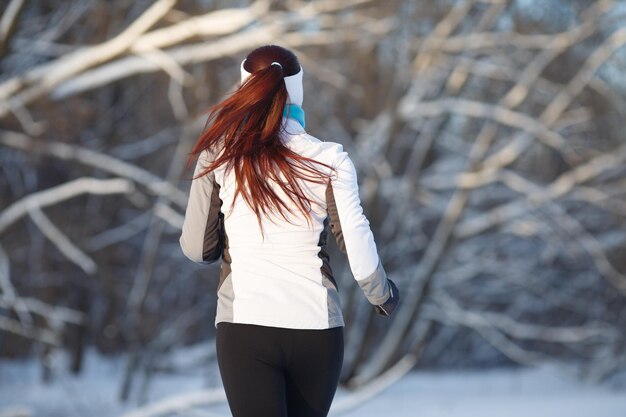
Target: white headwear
{"type": "Point", "coordinates": [293, 83]}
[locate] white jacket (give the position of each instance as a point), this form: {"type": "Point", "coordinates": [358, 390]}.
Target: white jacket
{"type": "Point", "coordinates": [284, 280]}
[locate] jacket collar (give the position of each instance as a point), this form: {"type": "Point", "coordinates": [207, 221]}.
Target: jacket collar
{"type": "Point", "coordinates": [292, 126]}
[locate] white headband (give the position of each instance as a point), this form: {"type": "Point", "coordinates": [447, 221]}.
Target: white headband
{"type": "Point", "coordinates": [293, 83]}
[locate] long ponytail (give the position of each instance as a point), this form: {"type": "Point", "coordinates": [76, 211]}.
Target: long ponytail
{"type": "Point", "coordinates": [247, 126]}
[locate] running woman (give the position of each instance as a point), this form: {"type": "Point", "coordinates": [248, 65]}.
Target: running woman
{"type": "Point", "coordinates": [264, 197]}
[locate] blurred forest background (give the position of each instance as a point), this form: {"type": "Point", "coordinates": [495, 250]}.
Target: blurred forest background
{"type": "Point", "coordinates": [489, 138]}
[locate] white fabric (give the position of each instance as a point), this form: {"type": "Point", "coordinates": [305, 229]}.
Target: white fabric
{"type": "Point", "coordinates": [277, 281]}
{"type": "Point", "coordinates": [293, 83]}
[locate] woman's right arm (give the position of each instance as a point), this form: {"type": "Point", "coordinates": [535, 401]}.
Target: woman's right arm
{"type": "Point", "coordinates": [355, 237]}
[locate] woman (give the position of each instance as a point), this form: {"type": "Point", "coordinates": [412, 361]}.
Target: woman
{"type": "Point", "coordinates": [263, 198]}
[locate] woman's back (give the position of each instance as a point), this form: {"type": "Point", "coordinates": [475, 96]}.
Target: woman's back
{"type": "Point", "coordinates": [283, 277]}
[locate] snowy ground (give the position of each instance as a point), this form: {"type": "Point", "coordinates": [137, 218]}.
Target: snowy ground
{"type": "Point", "coordinates": [499, 393]}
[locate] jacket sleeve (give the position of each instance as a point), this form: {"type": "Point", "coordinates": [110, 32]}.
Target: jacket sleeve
{"type": "Point", "coordinates": [353, 233]}
{"type": "Point", "coordinates": [202, 238]}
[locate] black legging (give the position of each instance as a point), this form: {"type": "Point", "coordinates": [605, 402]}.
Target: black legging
{"type": "Point", "coordinates": [279, 372]}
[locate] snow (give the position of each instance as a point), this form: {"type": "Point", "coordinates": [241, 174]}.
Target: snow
{"type": "Point", "coordinates": [541, 392]}
{"type": "Point", "coordinates": [538, 392]}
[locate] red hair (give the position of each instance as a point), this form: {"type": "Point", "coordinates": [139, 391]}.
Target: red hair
{"type": "Point", "coordinates": [247, 125]}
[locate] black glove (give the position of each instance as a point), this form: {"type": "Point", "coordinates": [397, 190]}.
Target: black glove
{"type": "Point", "coordinates": [387, 308]}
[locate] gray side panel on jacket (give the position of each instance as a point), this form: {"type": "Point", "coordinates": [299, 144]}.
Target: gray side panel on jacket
{"type": "Point", "coordinates": [225, 291]}
{"type": "Point", "coordinates": [201, 239]}
{"type": "Point", "coordinates": [225, 299]}
{"type": "Point", "coordinates": [333, 218]}
{"type": "Point", "coordinates": [335, 315]}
